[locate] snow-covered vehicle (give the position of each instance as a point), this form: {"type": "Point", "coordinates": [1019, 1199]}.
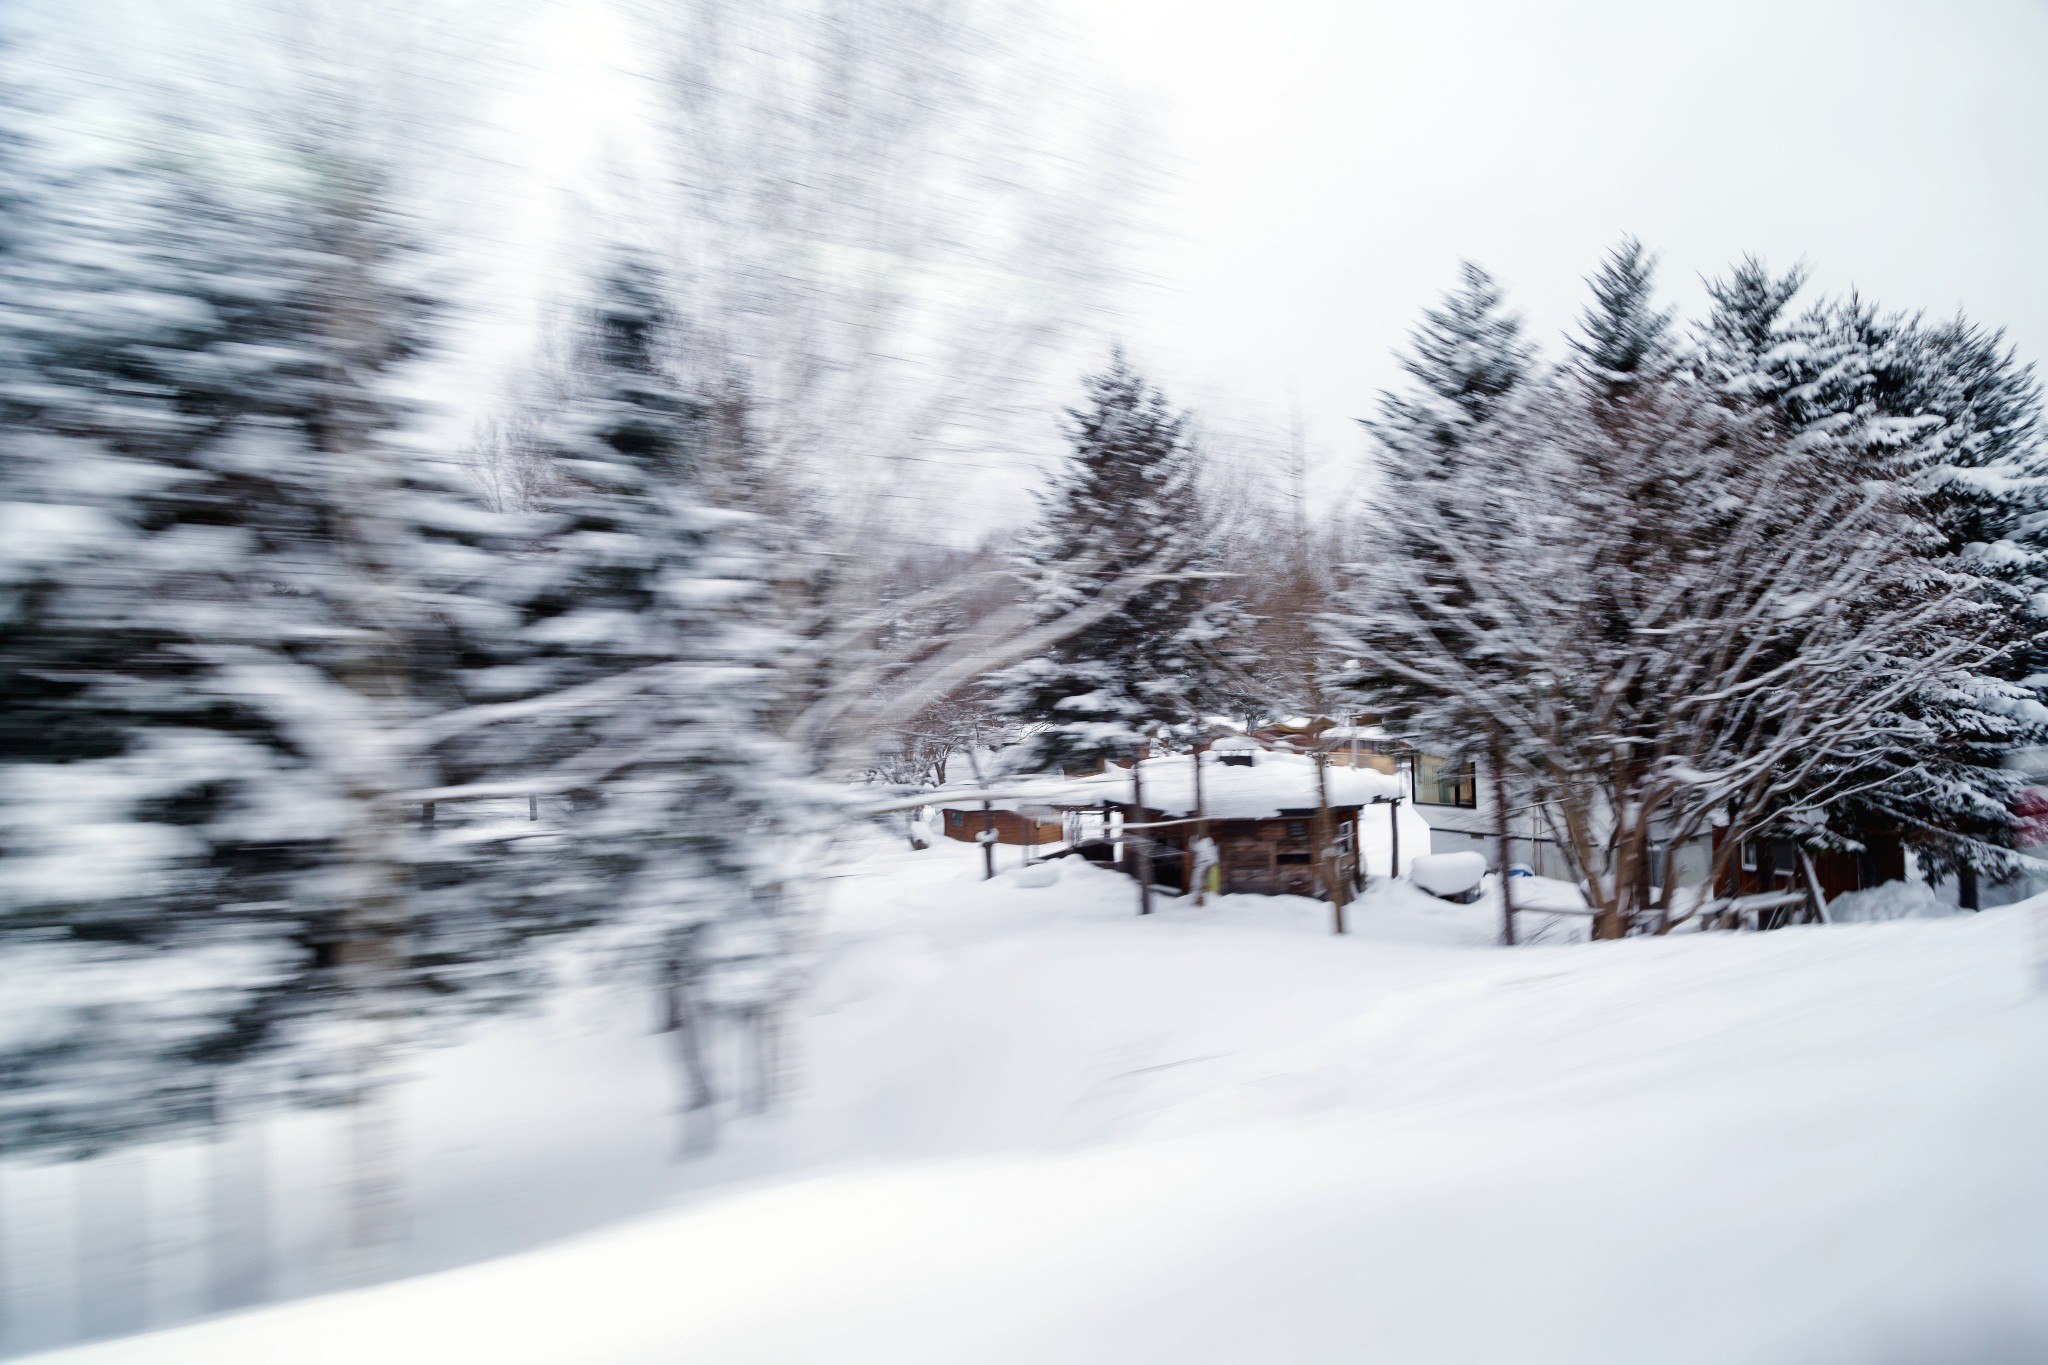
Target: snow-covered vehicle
{"type": "Point", "coordinates": [1449, 876]}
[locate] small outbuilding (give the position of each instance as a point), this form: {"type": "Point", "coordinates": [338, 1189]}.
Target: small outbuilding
{"type": "Point", "coordinates": [1033, 826]}
{"type": "Point", "coordinates": [1264, 811]}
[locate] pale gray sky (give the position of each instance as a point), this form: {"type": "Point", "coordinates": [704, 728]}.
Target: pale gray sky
{"type": "Point", "coordinates": [1333, 159]}
{"type": "Point", "coordinates": [1325, 163]}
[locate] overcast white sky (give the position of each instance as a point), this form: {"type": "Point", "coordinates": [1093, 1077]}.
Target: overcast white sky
{"type": "Point", "coordinates": [1333, 159]}
{"type": "Point", "coordinates": [1327, 162]}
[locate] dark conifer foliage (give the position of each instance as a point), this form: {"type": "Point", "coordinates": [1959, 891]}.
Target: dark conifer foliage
{"type": "Point", "coordinates": [1946, 415]}
{"type": "Point", "coordinates": [1123, 505]}
{"type": "Point", "coordinates": [1466, 358]}
{"type": "Point", "coordinates": [644, 677]}
{"type": "Point", "coordinates": [1624, 339]}
{"type": "Point", "coordinates": [234, 590]}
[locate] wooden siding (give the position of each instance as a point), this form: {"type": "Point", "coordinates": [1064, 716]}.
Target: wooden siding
{"type": "Point", "coordinates": [1010, 827]}
{"type": "Point", "coordinates": [1274, 857]}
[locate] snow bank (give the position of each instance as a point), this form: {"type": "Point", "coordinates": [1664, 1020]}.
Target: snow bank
{"type": "Point", "coordinates": [1889, 901]}
{"type": "Point", "coordinates": [1041, 1128]}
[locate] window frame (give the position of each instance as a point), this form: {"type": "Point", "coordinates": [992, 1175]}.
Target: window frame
{"type": "Point", "coordinates": [1464, 785]}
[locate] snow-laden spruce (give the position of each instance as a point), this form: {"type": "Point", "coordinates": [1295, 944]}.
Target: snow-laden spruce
{"type": "Point", "coordinates": [1652, 606]}
{"type": "Point", "coordinates": [236, 588]}
{"type": "Point", "coordinates": [1946, 416]}
{"type": "Point", "coordinates": [642, 688]}
{"type": "Point", "coordinates": [1121, 519]}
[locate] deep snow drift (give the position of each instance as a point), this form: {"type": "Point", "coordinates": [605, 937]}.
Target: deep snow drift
{"type": "Point", "coordinates": [1033, 1127]}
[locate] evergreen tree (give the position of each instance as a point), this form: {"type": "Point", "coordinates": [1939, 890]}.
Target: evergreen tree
{"type": "Point", "coordinates": [1750, 350]}
{"type": "Point", "coordinates": [1624, 340]}
{"type": "Point", "coordinates": [1439, 446]}
{"type": "Point", "coordinates": [1118, 535]}
{"type": "Point", "coordinates": [1466, 359]}
{"type": "Point", "coordinates": [1657, 606]}
{"type": "Point", "coordinates": [145, 812]}
{"type": "Point", "coordinates": [233, 594]}
{"type": "Point", "coordinates": [644, 689]}
{"type": "Point", "coordinates": [1947, 417]}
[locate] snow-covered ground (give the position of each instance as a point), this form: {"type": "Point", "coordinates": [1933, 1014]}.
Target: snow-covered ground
{"type": "Point", "coordinates": [1032, 1127]}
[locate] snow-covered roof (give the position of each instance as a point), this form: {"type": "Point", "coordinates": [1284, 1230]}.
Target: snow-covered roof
{"type": "Point", "coordinates": [1275, 782]}
{"type": "Point", "coordinates": [1350, 732]}
{"type": "Point", "coordinates": [1039, 807]}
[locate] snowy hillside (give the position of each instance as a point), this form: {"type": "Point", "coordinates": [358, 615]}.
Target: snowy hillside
{"type": "Point", "coordinates": [1032, 1127]}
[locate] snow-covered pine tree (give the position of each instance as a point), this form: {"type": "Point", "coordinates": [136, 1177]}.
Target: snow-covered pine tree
{"type": "Point", "coordinates": [1455, 479]}
{"type": "Point", "coordinates": [1636, 593]}
{"type": "Point", "coordinates": [1624, 340]}
{"type": "Point", "coordinates": [148, 827]}
{"type": "Point", "coordinates": [1750, 349]}
{"type": "Point", "coordinates": [1122, 506]}
{"type": "Point", "coordinates": [644, 692]}
{"type": "Point", "coordinates": [1947, 415]}
{"type": "Point", "coordinates": [1465, 360]}
{"type": "Point", "coordinates": [233, 592]}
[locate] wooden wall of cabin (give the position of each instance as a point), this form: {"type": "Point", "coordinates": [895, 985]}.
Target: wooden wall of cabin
{"type": "Point", "coordinates": [1773, 865]}
{"type": "Point", "coordinates": [1262, 857]}
{"type": "Point", "coordinates": [1010, 827]}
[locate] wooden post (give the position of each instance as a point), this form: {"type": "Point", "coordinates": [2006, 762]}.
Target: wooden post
{"type": "Point", "coordinates": [1502, 833]}
{"type": "Point", "coordinates": [532, 806]}
{"type": "Point", "coordinates": [1394, 828]}
{"type": "Point", "coordinates": [1140, 850]}
{"type": "Point", "coordinates": [1201, 832]}
{"type": "Point", "coordinates": [1326, 841]}
{"type": "Point", "coordinates": [988, 840]}
{"type": "Point", "coordinates": [1813, 889]}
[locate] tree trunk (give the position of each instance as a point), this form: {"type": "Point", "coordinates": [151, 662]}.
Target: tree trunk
{"type": "Point", "coordinates": [1504, 841]}
{"type": "Point", "coordinates": [1140, 846]}
{"type": "Point", "coordinates": [1326, 844]}
{"type": "Point", "coordinates": [376, 669]}
{"type": "Point", "coordinates": [238, 1211]}
{"type": "Point", "coordinates": [372, 960]}
{"type": "Point", "coordinates": [700, 1129]}
{"type": "Point", "coordinates": [113, 1260]}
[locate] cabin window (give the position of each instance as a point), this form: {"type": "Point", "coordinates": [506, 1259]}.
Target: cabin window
{"type": "Point", "coordinates": [1784, 858]}
{"type": "Point", "coordinates": [953, 818]}
{"type": "Point", "coordinates": [1749, 855]}
{"type": "Point", "coordinates": [1297, 859]}
{"type": "Point", "coordinates": [1344, 836]}
{"type": "Point", "coordinates": [1440, 782]}
{"type": "Point", "coordinates": [1297, 830]}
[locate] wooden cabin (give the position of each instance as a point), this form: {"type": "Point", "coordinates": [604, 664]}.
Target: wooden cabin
{"type": "Point", "coordinates": [1261, 808]}
{"type": "Point", "coordinates": [1763, 866]}
{"type": "Point", "coordinates": [966, 820]}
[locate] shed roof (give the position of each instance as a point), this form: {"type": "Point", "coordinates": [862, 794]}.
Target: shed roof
{"type": "Point", "coordinates": [1273, 784]}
